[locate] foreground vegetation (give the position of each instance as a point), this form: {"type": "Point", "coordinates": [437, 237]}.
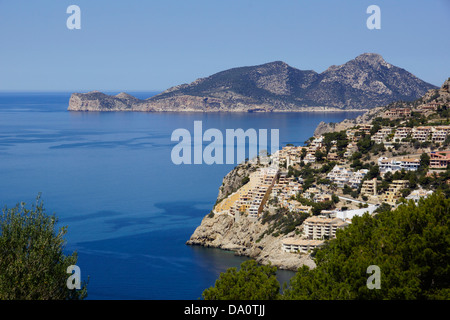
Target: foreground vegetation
{"type": "Point", "coordinates": [410, 245]}
{"type": "Point", "coordinates": [33, 265]}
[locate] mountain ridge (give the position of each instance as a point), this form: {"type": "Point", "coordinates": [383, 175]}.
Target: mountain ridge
{"type": "Point", "coordinates": [365, 82]}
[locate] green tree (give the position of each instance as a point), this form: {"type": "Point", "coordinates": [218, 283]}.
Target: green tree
{"type": "Point", "coordinates": [409, 245]}
{"type": "Point", "coordinates": [424, 160]}
{"type": "Point", "coordinates": [320, 155]}
{"type": "Point", "coordinates": [32, 262]}
{"type": "Point", "coordinates": [251, 282]}
{"type": "Point", "coordinates": [365, 144]}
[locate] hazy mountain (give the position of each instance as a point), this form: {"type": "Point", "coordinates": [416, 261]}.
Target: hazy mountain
{"type": "Point", "coordinates": [362, 83]}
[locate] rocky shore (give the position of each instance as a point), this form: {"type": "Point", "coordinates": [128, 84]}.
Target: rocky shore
{"type": "Point", "coordinates": [221, 231]}
{"type": "Point", "coordinates": [96, 101]}
{"type": "Point", "coordinates": [244, 236]}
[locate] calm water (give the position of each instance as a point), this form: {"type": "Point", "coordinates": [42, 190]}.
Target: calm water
{"type": "Point", "coordinates": [110, 179]}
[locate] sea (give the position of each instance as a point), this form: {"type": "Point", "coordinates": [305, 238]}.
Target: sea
{"type": "Point", "coordinates": [109, 177]}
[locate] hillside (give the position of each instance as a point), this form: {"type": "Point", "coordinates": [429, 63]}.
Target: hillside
{"type": "Point", "coordinates": [438, 96]}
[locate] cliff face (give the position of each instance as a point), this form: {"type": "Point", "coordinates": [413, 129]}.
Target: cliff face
{"type": "Point", "coordinates": [362, 83]}
{"type": "Point", "coordinates": [245, 236]}
{"type": "Point", "coordinates": [221, 231]}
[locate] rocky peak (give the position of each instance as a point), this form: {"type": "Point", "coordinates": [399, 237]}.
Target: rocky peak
{"type": "Point", "coordinates": [126, 96]}
{"type": "Point", "coordinates": [276, 64]}
{"type": "Point", "coordinates": [446, 86]}
{"type": "Point", "coordinates": [373, 59]}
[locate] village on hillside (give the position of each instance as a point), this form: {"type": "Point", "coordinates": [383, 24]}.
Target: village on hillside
{"type": "Point", "coordinates": [311, 191]}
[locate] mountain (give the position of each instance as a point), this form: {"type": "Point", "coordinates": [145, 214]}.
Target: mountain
{"type": "Point", "coordinates": [433, 97]}
{"type": "Point", "coordinates": [365, 82]}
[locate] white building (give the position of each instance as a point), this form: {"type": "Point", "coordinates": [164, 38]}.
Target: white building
{"type": "Point", "coordinates": [440, 133]}
{"type": "Point", "coordinates": [416, 195]}
{"type": "Point", "coordinates": [309, 158]}
{"type": "Point", "coordinates": [402, 133]}
{"type": "Point", "coordinates": [342, 176]}
{"type": "Point", "coordinates": [294, 245]}
{"type": "Point", "coordinates": [381, 135]}
{"type": "Point", "coordinates": [321, 227]}
{"type": "Point", "coordinates": [392, 165]}
{"type": "Point", "coordinates": [349, 214]}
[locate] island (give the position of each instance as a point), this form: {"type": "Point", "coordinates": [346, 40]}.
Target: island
{"type": "Point", "coordinates": [360, 84]}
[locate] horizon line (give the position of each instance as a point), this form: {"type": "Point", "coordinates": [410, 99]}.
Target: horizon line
{"type": "Point", "coordinates": [74, 91]}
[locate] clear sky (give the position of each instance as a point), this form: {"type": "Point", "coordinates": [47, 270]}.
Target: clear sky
{"type": "Point", "coordinates": [151, 45]}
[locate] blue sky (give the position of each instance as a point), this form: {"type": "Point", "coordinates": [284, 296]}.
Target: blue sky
{"type": "Point", "coordinates": [152, 45]}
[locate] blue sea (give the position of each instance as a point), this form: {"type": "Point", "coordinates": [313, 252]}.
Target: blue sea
{"type": "Point", "coordinates": [109, 178]}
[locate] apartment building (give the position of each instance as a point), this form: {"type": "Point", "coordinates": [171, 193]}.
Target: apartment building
{"type": "Point", "coordinates": [304, 246]}
{"type": "Point", "coordinates": [439, 159]}
{"type": "Point", "coordinates": [351, 148]}
{"type": "Point", "coordinates": [402, 133]}
{"type": "Point", "coordinates": [369, 187]}
{"type": "Point", "coordinates": [393, 194]}
{"type": "Point", "coordinates": [351, 135]}
{"type": "Point", "coordinates": [322, 197]}
{"type": "Point", "coordinates": [397, 113]}
{"type": "Point", "coordinates": [295, 206]}
{"type": "Point", "coordinates": [392, 164]}
{"type": "Point", "coordinates": [381, 135]}
{"type": "Point", "coordinates": [440, 133]}
{"type": "Point", "coordinates": [315, 144]}
{"type": "Point", "coordinates": [310, 193]}
{"type": "Point", "coordinates": [421, 134]}
{"type": "Point", "coordinates": [357, 178]}
{"type": "Point", "coordinates": [310, 158]}
{"type": "Point", "coordinates": [410, 164]}
{"type": "Point", "coordinates": [342, 176]}
{"type": "Point", "coordinates": [416, 195]}
{"type": "Point", "coordinates": [333, 156]}
{"type": "Point", "coordinates": [365, 128]}
{"type": "Point", "coordinates": [321, 227]}
{"type": "Point", "coordinates": [251, 197]}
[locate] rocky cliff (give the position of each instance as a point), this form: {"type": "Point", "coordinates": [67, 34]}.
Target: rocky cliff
{"type": "Point", "coordinates": [244, 236]}
{"type": "Point", "coordinates": [345, 124]}
{"type": "Point", "coordinates": [223, 232]}
{"type": "Point", "coordinates": [365, 82]}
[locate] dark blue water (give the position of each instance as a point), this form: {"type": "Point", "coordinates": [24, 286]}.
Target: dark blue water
{"type": "Point", "coordinates": [109, 177]}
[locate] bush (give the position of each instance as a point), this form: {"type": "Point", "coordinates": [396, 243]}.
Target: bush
{"type": "Point", "coordinates": [409, 245]}
{"type": "Point", "coordinates": [32, 263]}
{"type": "Point", "coordinates": [251, 282]}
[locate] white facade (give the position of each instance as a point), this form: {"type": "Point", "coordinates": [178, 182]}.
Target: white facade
{"type": "Point", "coordinates": [320, 227]}
{"type": "Point", "coordinates": [392, 165]}
{"type": "Point", "coordinates": [341, 176]}
{"type": "Point", "coordinates": [300, 245]}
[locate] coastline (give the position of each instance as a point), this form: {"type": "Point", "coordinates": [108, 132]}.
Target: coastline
{"type": "Point", "coordinates": [243, 237]}
{"type": "Point", "coordinates": [321, 110]}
